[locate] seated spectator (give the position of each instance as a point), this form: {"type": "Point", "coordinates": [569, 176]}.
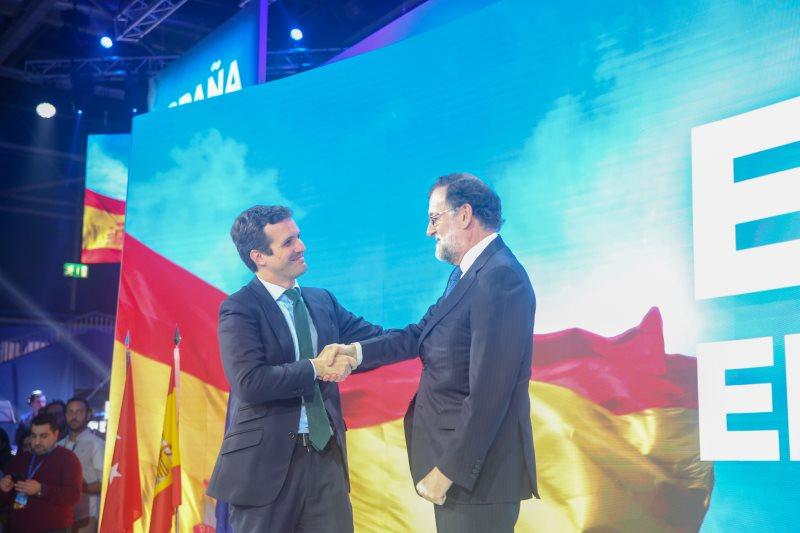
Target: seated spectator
{"type": "Point", "coordinates": [89, 449]}
{"type": "Point", "coordinates": [36, 400]}
{"type": "Point", "coordinates": [44, 484]}
{"type": "Point", "coordinates": [58, 410]}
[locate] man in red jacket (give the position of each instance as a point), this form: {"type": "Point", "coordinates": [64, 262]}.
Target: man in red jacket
{"type": "Point", "coordinates": [44, 484]}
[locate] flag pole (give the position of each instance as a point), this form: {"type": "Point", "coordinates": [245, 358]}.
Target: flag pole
{"type": "Point", "coordinates": [176, 363]}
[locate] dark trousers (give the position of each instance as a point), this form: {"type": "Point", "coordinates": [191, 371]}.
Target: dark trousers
{"type": "Point", "coordinates": [313, 498]}
{"type": "Point", "coordinates": [486, 518]}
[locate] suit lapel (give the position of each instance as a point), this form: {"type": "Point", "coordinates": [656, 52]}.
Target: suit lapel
{"type": "Point", "coordinates": [447, 304]}
{"type": "Point", "coordinates": [275, 318]}
{"type": "Point", "coordinates": [316, 308]}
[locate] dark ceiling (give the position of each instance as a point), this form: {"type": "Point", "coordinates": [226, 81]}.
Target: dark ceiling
{"type": "Point", "coordinates": [41, 161]}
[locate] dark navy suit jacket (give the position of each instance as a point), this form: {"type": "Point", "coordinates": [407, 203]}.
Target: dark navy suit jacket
{"type": "Point", "coordinates": [471, 414]}
{"type": "Point", "coordinates": [267, 385]}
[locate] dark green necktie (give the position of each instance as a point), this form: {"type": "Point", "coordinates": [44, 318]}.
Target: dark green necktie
{"type": "Point", "coordinates": [319, 428]}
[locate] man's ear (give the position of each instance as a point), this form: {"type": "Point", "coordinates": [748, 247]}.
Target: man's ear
{"type": "Point", "coordinates": [256, 257]}
{"type": "Point", "coordinates": [465, 216]}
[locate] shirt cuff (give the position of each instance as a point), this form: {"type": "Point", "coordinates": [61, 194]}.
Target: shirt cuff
{"type": "Point", "coordinates": [313, 368]}
{"type": "Point", "coordinates": [359, 355]}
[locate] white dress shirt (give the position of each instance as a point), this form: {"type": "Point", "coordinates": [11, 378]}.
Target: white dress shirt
{"type": "Point", "coordinates": [89, 449]}
{"type": "Point", "coordinates": [287, 308]}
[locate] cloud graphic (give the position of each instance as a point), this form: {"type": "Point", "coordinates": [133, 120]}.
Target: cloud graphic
{"type": "Point", "coordinates": [105, 173]}
{"type": "Point", "coordinates": [599, 200]}
{"type": "Point", "coordinates": [185, 212]}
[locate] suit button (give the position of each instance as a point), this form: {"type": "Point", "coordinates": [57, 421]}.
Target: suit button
{"type": "Point", "coordinates": [291, 435]}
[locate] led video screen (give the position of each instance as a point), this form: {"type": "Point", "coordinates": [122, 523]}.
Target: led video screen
{"type": "Point", "coordinates": [646, 157]}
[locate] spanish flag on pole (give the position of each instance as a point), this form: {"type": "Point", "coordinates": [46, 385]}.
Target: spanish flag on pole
{"type": "Point", "coordinates": [167, 494]}
{"type": "Point", "coordinates": [123, 493]}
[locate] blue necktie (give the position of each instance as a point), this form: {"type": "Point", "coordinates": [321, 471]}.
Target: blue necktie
{"type": "Point", "coordinates": [455, 276]}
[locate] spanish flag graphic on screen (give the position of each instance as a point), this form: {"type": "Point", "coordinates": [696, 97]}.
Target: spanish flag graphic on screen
{"type": "Point", "coordinates": [104, 198]}
{"type": "Point", "coordinates": [614, 419]}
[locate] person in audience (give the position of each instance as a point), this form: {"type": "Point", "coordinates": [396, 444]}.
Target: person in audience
{"type": "Point", "coordinates": [58, 409]}
{"type": "Point", "coordinates": [36, 400]}
{"type": "Point", "coordinates": [44, 484]}
{"type": "Point", "coordinates": [89, 449]}
{"type": "Point", "coordinates": [5, 457]}
{"type": "Point", "coordinates": [5, 450]}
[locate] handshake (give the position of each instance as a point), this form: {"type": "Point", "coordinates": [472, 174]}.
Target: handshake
{"type": "Point", "coordinates": [335, 362]}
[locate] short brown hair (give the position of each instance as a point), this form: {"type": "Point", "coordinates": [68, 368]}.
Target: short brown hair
{"type": "Point", "coordinates": [248, 230]}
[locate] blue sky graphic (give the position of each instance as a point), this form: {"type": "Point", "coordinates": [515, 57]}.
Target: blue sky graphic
{"type": "Point", "coordinates": [578, 113]}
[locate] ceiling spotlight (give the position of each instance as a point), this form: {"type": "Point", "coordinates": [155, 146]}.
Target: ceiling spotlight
{"type": "Point", "coordinates": [80, 112]}
{"type": "Point", "coordinates": [134, 110]}
{"type": "Point", "coordinates": [106, 42]}
{"type": "Point", "coordinates": [46, 110]}
{"type": "Point", "coordinates": [296, 34]}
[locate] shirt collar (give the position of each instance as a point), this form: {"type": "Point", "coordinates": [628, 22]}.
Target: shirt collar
{"type": "Point", "coordinates": [473, 253]}
{"type": "Point", "coordinates": [276, 291]}
{"type": "Point", "coordinates": [83, 435]}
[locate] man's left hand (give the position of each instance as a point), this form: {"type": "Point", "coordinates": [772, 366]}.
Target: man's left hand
{"type": "Point", "coordinates": [31, 487]}
{"type": "Point", "coordinates": [434, 487]}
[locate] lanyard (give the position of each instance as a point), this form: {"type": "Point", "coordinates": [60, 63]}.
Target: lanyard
{"type": "Point", "coordinates": [31, 470]}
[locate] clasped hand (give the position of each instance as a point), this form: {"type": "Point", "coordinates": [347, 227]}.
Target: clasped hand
{"type": "Point", "coordinates": [29, 486]}
{"type": "Point", "coordinates": [335, 362]}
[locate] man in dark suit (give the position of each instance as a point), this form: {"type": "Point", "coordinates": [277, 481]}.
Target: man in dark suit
{"type": "Point", "coordinates": [283, 463]}
{"type": "Point", "coordinates": [468, 429]}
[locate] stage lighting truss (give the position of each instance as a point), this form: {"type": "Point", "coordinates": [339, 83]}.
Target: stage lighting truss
{"type": "Point", "coordinates": [294, 60]}
{"type": "Point", "coordinates": [98, 68]}
{"type": "Point", "coordinates": [140, 17]}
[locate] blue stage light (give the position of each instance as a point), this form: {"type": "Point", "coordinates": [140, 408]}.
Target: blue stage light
{"type": "Point", "coordinates": [106, 42]}
{"type": "Point", "coordinates": [134, 110]}
{"type": "Point", "coordinates": [296, 34]}
{"type": "Point", "coordinates": [80, 112]}
{"type": "Point", "coordinates": [46, 110]}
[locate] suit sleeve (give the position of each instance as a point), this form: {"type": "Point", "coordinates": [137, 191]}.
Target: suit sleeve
{"type": "Point", "coordinates": [501, 322]}
{"type": "Point", "coordinates": [246, 365]}
{"type": "Point", "coordinates": [352, 328]}
{"type": "Point", "coordinates": [394, 345]}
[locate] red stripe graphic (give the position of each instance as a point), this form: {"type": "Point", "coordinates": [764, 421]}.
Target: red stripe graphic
{"type": "Point", "coordinates": [103, 202]}
{"type": "Point", "coordinates": [101, 255]}
{"type": "Point", "coordinates": [624, 374]}
{"type": "Point", "coordinates": [155, 295]}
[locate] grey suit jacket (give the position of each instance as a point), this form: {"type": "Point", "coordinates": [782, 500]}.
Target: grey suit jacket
{"type": "Point", "coordinates": [471, 414]}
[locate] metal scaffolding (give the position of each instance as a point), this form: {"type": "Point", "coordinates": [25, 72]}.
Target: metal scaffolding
{"type": "Point", "coordinates": [140, 17]}
{"type": "Point", "coordinates": [98, 68]}
{"type": "Point", "coordinates": [294, 60]}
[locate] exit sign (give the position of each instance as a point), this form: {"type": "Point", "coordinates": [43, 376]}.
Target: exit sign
{"type": "Point", "coordinates": [76, 270]}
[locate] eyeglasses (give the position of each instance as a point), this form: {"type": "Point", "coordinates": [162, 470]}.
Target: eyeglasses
{"type": "Point", "coordinates": [433, 219]}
